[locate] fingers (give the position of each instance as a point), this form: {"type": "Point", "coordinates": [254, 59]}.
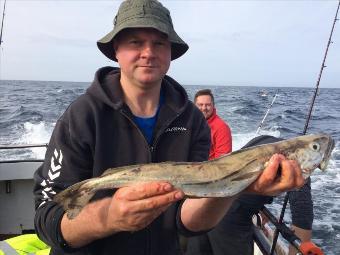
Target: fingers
{"type": "Point", "coordinates": [287, 179]}
{"type": "Point", "coordinates": [291, 177]}
{"type": "Point", "coordinates": [280, 175]}
{"type": "Point", "coordinates": [299, 181]}
{"type": "Point", "coordinates": [268, 176]}
{"type": "Point", "coordinates": [149, 196]}
{"type": "Point", "coordinates": [138, 220]}
{"type": "Point", "coordinates": [146, 190]}
{"type": "Point", "coordinates": [133, 208]}
{"type": "Point", "coordinates": [159, 201]}
{"type": "Point", "coordinates": [270, 172]}
{"type": "Point", "coordinates": [291, 174]}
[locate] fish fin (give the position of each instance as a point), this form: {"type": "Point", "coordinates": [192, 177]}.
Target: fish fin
{"type": "Point", "coordinates": [75, 198]}
{"type": "Point", "coordinates": [111, 171]}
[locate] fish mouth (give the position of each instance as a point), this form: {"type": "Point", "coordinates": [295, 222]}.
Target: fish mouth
{"type": "Point", "coordinates": [324, 163]}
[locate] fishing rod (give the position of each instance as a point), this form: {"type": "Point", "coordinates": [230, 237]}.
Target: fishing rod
{"type": "Point", "coordinates": [284, 206]}
{"type": "Point", "coordinates": [320, 74]}
{"type": "Point", "coordinates": [265, 116]}
{"type": "Point", "coordinates": [2, 22]}
{"type": "Point", "coordinates": [304, 248]}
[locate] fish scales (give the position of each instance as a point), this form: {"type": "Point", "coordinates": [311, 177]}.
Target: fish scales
{"type": "Point", "coordinates": [222, 177]}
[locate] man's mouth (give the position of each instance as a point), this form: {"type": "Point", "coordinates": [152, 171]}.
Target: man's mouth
{"type": "Point", "coordinates": [146, 66]}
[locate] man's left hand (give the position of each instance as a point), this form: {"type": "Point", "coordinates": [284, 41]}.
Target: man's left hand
{"type": "Point", "coordinates": [271, 183]}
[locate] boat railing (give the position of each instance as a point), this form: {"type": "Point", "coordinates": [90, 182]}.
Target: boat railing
{"type": "Point", "coordinates": [22, 146]}
{"type": "Point", "coordinates": [18, 168]}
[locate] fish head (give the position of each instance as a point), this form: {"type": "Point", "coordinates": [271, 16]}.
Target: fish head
{"type": "Point", "coordinates": [313, 151]}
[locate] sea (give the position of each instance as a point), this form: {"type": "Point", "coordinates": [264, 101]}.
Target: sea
{"type": "Point", "coordinates": [30, 109]}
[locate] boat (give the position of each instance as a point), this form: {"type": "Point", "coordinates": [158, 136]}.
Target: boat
{"type": "Point", "coordinates": [16, 183]}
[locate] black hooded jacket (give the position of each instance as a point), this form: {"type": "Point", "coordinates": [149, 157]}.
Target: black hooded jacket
{"type": "Point", "coordinates": [97, 132]}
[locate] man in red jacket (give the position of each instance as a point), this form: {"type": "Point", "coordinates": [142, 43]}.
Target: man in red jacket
{"type": "Point", "coordinates": [221, 142]}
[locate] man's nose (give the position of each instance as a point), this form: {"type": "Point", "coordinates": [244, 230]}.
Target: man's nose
{"type": "Point", "coordinates": [148, 50]}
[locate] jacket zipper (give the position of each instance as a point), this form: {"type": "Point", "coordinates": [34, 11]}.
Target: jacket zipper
{"type": "Point", "coordinates": [153, 149]}
{"type": "Point", "coordinates": [150, 148]}
{"type": "Point", "coordinates": [151, 153]}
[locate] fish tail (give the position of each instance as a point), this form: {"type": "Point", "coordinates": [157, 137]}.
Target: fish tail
{"type": "Point", "coordinates": [75, 198]}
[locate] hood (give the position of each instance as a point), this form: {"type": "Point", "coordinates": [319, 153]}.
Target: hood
{"type": "Point", "coordinates": [106, 88]}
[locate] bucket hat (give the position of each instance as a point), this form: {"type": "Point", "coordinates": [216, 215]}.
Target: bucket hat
{"type": "Point", "coordinates": [142, 14]}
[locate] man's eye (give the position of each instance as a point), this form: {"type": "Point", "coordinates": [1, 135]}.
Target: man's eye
{"type": "Point", "coordinates": [134, 42]}
{"type": "Point", "coordinates": [161, 43]}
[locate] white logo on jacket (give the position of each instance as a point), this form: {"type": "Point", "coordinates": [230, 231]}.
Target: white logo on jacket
{"type": "Point", "coordinates": [175, 129]}
{"type": "Point", "coordinates": [53, 173]}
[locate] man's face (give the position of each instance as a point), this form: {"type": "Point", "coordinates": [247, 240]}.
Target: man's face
{"type": "Point", "coordinates": [205, 104]}
{"type": "Point", "coordinates": [144, 56]}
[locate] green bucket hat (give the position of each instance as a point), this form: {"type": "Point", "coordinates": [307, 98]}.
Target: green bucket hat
{"type": "Point", "coordinates": [143, 14]}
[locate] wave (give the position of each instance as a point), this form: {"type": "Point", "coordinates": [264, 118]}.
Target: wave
{"type": "Point", "coordinates": [30, 133]}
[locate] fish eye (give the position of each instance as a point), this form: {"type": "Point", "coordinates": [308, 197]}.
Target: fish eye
{"type": "Point", "coordinates": [315, 146]}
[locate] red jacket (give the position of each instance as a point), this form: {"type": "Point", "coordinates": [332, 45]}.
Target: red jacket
{"type": "Point", "coordinates": [221, 142]}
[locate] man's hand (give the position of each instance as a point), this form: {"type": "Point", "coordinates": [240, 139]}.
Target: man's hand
{"type": "Point", "coordinates": [280, 175]}
{"type": "Point", "coordinates": [133, 208]}
{"type": "Point", "coordinates": [129, 209]}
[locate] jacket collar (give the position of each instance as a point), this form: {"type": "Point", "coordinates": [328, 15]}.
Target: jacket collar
{"type": "Point", "coordinates": [212, 117]}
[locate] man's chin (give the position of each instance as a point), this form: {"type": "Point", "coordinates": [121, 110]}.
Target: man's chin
{"type": "Point", "coordinates": [150, 78]}
{"type": "Point", "coordinates": [150, 81]}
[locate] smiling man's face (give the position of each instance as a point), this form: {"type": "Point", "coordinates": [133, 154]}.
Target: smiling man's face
{"type": "Point", "coordinates": [205, 104]}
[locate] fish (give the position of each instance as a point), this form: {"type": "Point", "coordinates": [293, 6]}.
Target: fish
{"type": "Point", "coordinates": [225, 176]}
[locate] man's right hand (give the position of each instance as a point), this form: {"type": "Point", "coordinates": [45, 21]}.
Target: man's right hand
{"type": "Point", "coordinates": [135, 207]}
{"type": "Point", "coordinates": [130, 209]}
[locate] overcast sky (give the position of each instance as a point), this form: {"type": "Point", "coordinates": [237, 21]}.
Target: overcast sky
{"type": "Point", "coordinates": [257, 43]}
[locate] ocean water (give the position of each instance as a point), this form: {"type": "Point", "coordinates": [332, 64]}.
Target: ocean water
{"type": "Point", "coordinates": [30, 109]}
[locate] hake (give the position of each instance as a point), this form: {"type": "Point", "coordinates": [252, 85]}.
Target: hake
{"type": "Point", "coordinates": [222, 177]}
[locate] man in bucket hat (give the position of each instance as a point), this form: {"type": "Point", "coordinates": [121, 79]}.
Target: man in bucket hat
{"type": "Point", "coordinates": [131, 115]}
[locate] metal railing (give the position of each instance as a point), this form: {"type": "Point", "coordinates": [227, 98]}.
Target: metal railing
{"type": "Point", "coordinates": [22, 146]}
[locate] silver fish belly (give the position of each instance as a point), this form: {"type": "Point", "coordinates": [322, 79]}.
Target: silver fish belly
{"type": "Point", "coordinates": [222, 177]}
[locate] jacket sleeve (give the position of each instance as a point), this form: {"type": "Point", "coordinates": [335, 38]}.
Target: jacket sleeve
{"type": "Point", "coordinates": [65, 164]}
{"type": "Point", "coordinates": [301, 206]}
{"type": "Point", "coordinates": [223, 141]}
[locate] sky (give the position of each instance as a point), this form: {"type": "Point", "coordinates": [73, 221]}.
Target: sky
{"type": "Point", "coordinates": [232, 43]}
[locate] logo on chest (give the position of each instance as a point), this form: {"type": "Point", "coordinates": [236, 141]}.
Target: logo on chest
{"type": "Point", "coordinates": [176, 129]}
